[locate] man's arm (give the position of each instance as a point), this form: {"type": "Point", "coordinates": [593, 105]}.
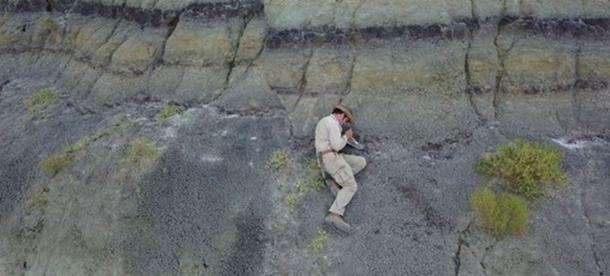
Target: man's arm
{"type": "Point", "coordinates": [337, 142]}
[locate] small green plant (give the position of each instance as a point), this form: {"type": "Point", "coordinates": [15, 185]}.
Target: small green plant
{"type": "Point", "coordinates": [291, 200]}
{"type": "Point", "coordinates": [142, 150]}
{"type": "Point", "coordinates": [141, 154]}
{"type": "Point", "coordinates": [40, 200]}
{"type": "Point", "coordinates": [279, 161]}
{"type": "Point", "coordinates": [80, 145]}
{"type": "Point", "coordinates": [318, 243]}
{"type": "Point", "coordinates": [169, 111]}
{"type": "Point", "coordinates": [500, 214]}
{"type": "Point", "coordinates": [40, 100]}
{"type": "Point", "coordinates": [312, 181]}
{"type": "Point", "coordinates": [314, 172]}
{"type": "Point", "coordinates": [526, 168]}
{"type": "Point", "coordinates": [47, 23]}
{"type": "Point", "coordinates": [56, 162]}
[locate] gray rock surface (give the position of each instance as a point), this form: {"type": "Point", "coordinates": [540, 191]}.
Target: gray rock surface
{"type": "Point", "coordinates": [434, 85]}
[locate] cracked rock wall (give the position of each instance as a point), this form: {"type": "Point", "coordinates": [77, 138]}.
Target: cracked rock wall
{"type": "Point", "coordinates": [434, 84]}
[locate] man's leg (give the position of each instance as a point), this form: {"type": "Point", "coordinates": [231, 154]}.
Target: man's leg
{"type": "Point", "coordinates": [345, 178]}
{"type": "Point", "coordinates": [342, 173]}
{"type": "Point", "coordinates": [357, 163]}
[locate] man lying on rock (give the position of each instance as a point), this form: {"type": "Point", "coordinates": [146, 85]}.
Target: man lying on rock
{"type": "Point", "coordinates": [341, 167]}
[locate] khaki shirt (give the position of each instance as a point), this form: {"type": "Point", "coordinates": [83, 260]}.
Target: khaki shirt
{"type": "Point", "coordinates": [328, 135]}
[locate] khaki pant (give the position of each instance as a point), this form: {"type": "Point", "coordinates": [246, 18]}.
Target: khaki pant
{"type": "Point", "coordinates": [342, 168]}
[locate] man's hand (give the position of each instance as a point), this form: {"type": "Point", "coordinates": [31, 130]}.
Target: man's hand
{"type": "Point", "coordinates": [349, 134]}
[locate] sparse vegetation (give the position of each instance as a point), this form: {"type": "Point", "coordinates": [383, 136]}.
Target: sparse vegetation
{"type": "Point", "coordinates": [279, 161]}
{"type": "Point", "coordinates": [47, 23]}
{"type": "Point", "coordinates": [314, 174]}
{"type": "Point", "coordinates": [80, 145]}
{"type": "Point", "coordinates": [56, 162]}
{"type": "Point", "coordinates": [142, 150]}
{"type": "Point", "coordinates": [318, 243]}
{"type": "Point", "coordinates": [41, 100]}
{"type": "Point", "coordinates": [40, 200]}
{"type": "Point", "coordinates": [312, 181]}
{"type": "Point", "coordinates": [142, 153]}
{"type": "Point", "coordinates": [526, 168]}
{"type": "Point", "coordinates": [169, 111]}
{"type": "Point", "coordinates": [500, 214]}
{"type": "Point", "coordinates": [291, 200]}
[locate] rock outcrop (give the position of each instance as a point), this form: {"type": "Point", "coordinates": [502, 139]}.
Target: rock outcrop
{"type": "Point", "coordinates": [434, 85]}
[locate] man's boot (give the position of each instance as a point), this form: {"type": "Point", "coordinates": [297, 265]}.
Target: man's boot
{"type": "Point", "coordinates": [338, 222]}
{"type": "Point", "coordinates": [333, 187]}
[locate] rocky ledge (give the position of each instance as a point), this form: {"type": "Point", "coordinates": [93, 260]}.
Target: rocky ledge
{"type": "Point", "coordinates": [434, 85]}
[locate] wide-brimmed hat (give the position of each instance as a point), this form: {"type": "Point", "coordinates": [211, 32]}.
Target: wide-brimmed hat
{"type": "Point", "coordinates": [346, 111]}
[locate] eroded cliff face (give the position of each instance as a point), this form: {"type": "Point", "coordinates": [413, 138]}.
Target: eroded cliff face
{"type": "Point", "coordinates": [434, 84]}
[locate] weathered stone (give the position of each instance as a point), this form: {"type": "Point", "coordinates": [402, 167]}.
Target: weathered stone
{"type": "Point", "coordinates": [201, 84]}
{"type": "Point", "coordinates": [405, 93]}
{"type": "Point", "coordinates": [328, 70]}
{"type": "Point", "coordinates": [92, 36]}
{"type": "Point", "coordinates": [483, 63]}
{"type": "Point", "coordinates": [164, 81]}
{"type": "Point", "coordinates": [283, 68]}
{"type": "Point", "coordinates": [172, 5]}
{"type": "Point", "coordinates": [251, 42]}
{"type": "Point", "coordinates": [485, 9]}
{"type": "Point", "coordinates": [344, 13]}
{"type": "Point", "coordinates": [101, 57]}
{"type": "Point", "coordinates": [72, 29]}
{"type": "Point", "coordinates": [295, 14]}
{"type": "Point", "coordinates": [419, 84]}
{"type": "Point", "coordinates": [49, 65]}
{"type": "Point", "coordinates": [137, 52]}
{"type": "Point", "coordinates": [47, 32]}
{"type": "Point", "coordinates": [402, 12]}
{"type": "Point", "coordinates": [596, 9]}
{"type": "Point", "coordinates": [111, 89]}
{"type": "Point", "coordinates": [538, 64]}
{"type": "Point", "coordinates": [16, 34]}
{"type": "Point", "coordinates": [79, 77]}
{"type": "Point", "coordinates": [308, 111]}
{"type": "Point", "coordinates": [419, 68]}
{"type": "Point", "coordinates": [289, 101]}
{"type": "Point", "coordinates": [523, 115]}
{"type": "Point", "coordinates": [551, 9]}
{"type": "Point", "coordinates": [594, 62]}
{"type": "Point", "coordinates": [591, 104]}
{"type": "Point", "coordinates": [196, 43]}
{"type": "Point", "coordinates": [250, 94]}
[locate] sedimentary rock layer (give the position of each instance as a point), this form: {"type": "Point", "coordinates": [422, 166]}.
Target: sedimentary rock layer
{"type": "Point", "coordinates": [434, 84]}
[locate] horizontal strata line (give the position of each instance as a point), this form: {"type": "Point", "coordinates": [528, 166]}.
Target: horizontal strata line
{"type": "Point", "coordinates": [459, 29]}
{"type": "Point", "coordinates": [150, 17]}
{"type": "Point", "coordinates": [277, 38]}
{"type": "Point", "coordinates": [330, 34]}
{"type": "Point", "coordinates": [574, 27]}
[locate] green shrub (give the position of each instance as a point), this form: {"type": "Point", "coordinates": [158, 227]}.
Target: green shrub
{"type": "Point", "coordinates": [312, 180]}
{"type": "Point", "coordinates": [40, 100]}
{"type": "Point", "coordinates": [525, 168]}
{"type": "Point", "coordinates": [501, 214]}
{"type": "Point", "coordinates": [314, 174]}
{"type": "Point", "coordinates": [56, 162]}
{"type": "Point", "coordinates": [39, 200]}
{"type": "Point", "coordinates": [279, 161]}
{"type": "Point", "coordinates": [142, 150]}
{"type": "Point", "coordinates": [169, 111]}
{"type": "Point", "coordinates": [80, 145]}
{"type": "Point", "coordinates": [318, 243]}
{"type": "Point", "coordinates": [291, 200]}
{"type": "Point", "coordinates": [142, 153]}
{"type": "Point", "coordinates": [47, 23]}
